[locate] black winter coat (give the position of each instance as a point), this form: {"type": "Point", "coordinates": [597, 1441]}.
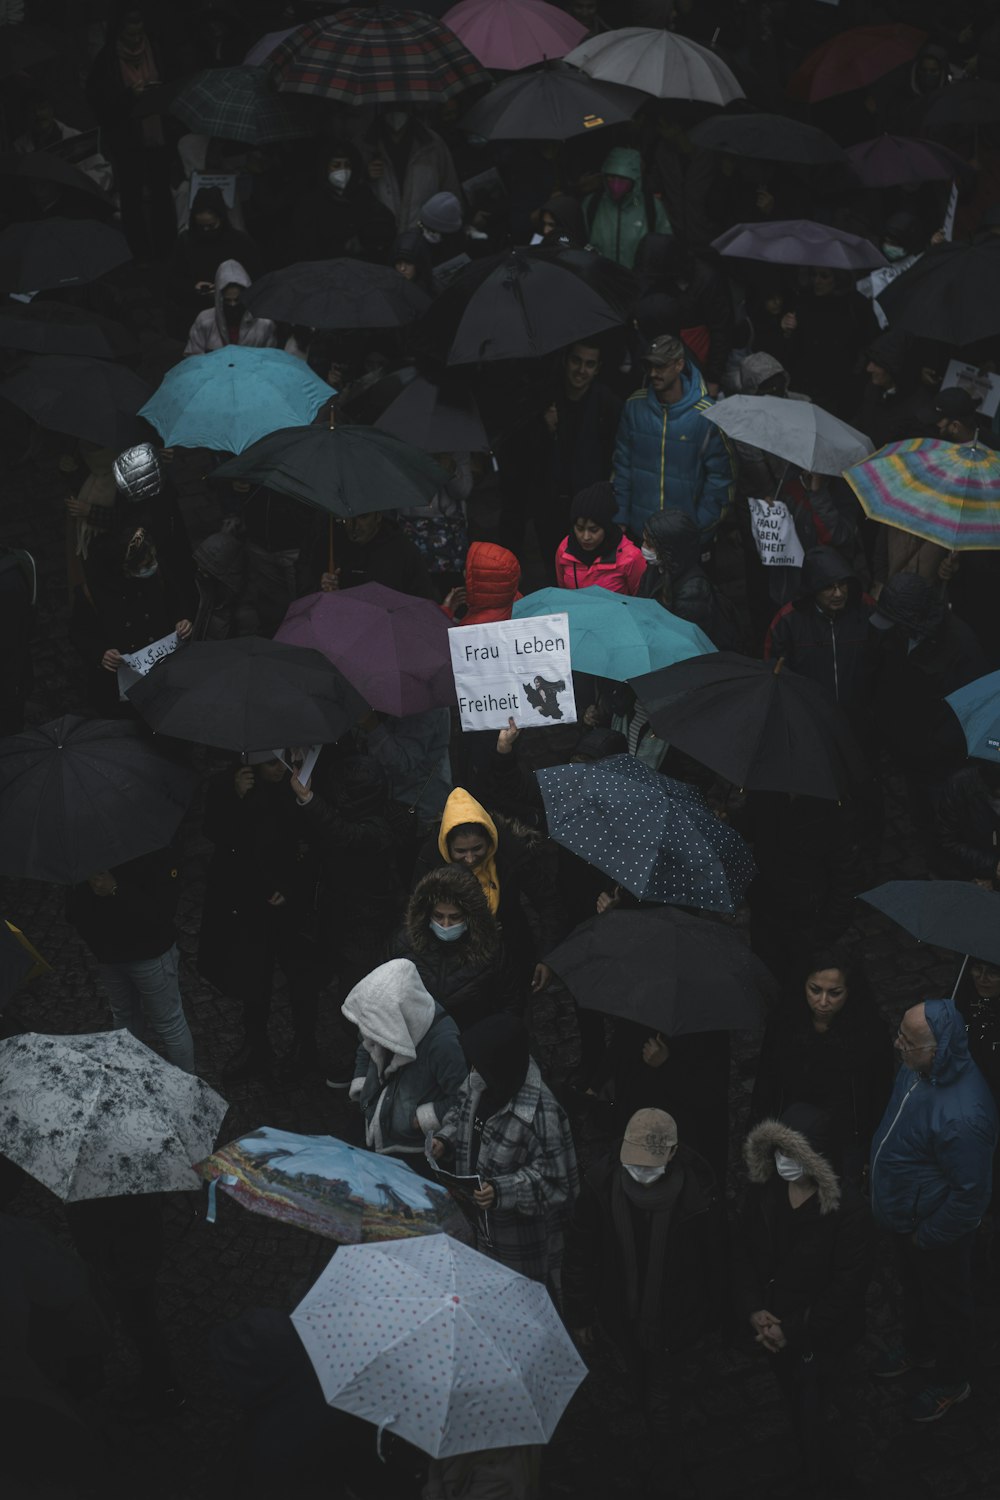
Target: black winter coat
{"type": "Point", "coordinates": [834, 651]}
{"type": "Point", "coordinates": [467, 984]}
{"type": "Point", "coordinates": [968, 829]}
{"type": "Point", "coordinates": [917, 727]}
{"type": "Point", "coordinates": [138, 921]}
{"type": "Point", "coordinates": [326, 224]}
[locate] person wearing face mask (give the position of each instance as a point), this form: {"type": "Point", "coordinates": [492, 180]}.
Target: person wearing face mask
{"type": "Point", "coordinates": [341, 215]}
{"type": "Point", "coordinates": [230, 322]}
{"type": "Point", "coordinates": [208, 240]}
{"type": "Point", "coordinates": [596, 552]}
{"type": "Point", "coordinates": [624, 211]}
{"type": "Point", "coordinates": [645, 1251]}
{"type": "Point", "coordinates": [455, 941]}
{"type": "Point", "coordinates": [440, 224]}
{"type": "Point", "coordinates": [800, 1271]}
{"type": "Point", "coordinates": [407, 163]}
{"type": "Point", "coordinates": [507, 1127]}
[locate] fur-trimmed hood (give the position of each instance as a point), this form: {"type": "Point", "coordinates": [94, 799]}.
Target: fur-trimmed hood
{"type": "Point", "coordinates": [455, 884]}
{"type": "Point", "coordinates": [773, 1135]}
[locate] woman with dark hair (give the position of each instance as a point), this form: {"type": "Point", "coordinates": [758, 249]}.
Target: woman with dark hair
{"type": "Point", "coordinates": [828, 1047]}
{"type": "Point", "coordinates": [454, 940]}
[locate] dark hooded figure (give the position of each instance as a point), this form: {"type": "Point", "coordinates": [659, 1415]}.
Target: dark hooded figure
{"type": "Point", "coordinates": [675, 578]}
{"type": "Point", "coordinates": [561, 223]}
{"type": "Point", "coordinates": [454, 940]}
{"type": "Point", "coordinates": [208, 241]}
{"type": "Point", "coordinates": [700, 303]}
{"type": "Point", "coordinates": [894, 405]}
{"type": "Point", "coordinates": [341, 216]}
{"type": "Point", "coordinates": [801, 1267]}
{"type": "Point", "coordinates": [823, 634]}
{"type": "Point", "coordinates": [221, 576]}
{"type": "Point", "coordinates": [411, 256]}
{"type": "Point", "coordinates": [968, 826]}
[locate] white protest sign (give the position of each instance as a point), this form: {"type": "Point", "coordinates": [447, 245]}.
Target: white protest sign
{"type": "Point", "coordinates": [515, 669]}
{"type": "Point", "coordinates": [138, 663]}
{"type": "Point", "coordinates": [774, 532]}
{"type": "Point", "coordinates": [224, 181]}
{"type": "Point", "coordinates": [299, 759]}
{"type": "Point", "coordinates": [982, 385]}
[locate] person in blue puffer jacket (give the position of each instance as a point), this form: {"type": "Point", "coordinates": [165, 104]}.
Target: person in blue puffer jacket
{"type": "Point", "coordinates": [667, 454]}
{"type": "Point", "coordinates": [931, 1182]}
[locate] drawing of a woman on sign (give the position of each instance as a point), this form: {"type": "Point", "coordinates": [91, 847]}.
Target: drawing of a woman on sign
{"type": "Point", "coordinates": [544, 696]}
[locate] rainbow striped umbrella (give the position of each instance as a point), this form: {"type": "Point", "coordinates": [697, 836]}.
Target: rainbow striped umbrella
{"type": "Point", "coordinates": [942, 492]}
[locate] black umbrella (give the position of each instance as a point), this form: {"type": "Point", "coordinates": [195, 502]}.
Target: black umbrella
{"type": "Point", "coordinates": [664, 969]}
{"type": "Point", "coordinates": [949, 294]}
{"type": "Point", "coordinates": [345, 470]}
{"type": "Point", "coordinates": [88, 398]}
{"type": "Point", "coordinates": [970, 101]}
{"type": "Point", "coordinates": [47, 253]}
{"type": "Point", "coordinates": [758, 726]}
{"type": "Point", "coordinates": [553, 103]}
{"type": "Point", "coordinates": [517, 305]}
{"type": "Point", "coordinates": [337, 294]}
{"type": "Point", "coordinates": [767, 138]}
{"type": "Point", "coordinates": [248, 694]}
{"type": "Point", "coordinates": [617, 285]}
{"type": "Point", "coordinates": [39, 166]}
{"type": "Point", "coordinates": [81, 795]}
{"type": "Point", "coordinates": [41, 327]}
{"type": "Point", "coordinates": [437, 417]}
{"type": "Point", "coordinates": [953, 914]}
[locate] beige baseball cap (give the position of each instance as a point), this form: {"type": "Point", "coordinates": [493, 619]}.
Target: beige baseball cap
{"type": "Point", "coordinates": [650, 1138]}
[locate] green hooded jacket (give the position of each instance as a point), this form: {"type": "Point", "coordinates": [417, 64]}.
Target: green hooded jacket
{"type": "Point", "coordinates": [615, 229]}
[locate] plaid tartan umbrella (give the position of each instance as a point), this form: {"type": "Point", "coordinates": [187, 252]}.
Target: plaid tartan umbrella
{"type": "Point", "coordinates": [939, 491]}
{"type": "Point", "coordinates": [369, 56]}
{"type": "Point", "coordinates": [236, 104]}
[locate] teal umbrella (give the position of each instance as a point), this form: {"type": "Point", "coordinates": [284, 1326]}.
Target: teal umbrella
{"type": "Point", "coordinates": [233, 396]}
{"type": "Point", "coordinates": [977, 708]}
{"type": "Point", "coordinates": [614, 635]}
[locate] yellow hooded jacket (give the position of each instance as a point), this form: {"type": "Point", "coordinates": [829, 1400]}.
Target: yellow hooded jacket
{"type": "Point", "coordinates": [461, 807]}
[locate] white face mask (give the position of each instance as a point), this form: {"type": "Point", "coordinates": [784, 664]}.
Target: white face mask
{"type": "Point", "coordinates": [339, 178]}
{"type": "Point", "coordinates": [430, 235]}
{"type": "Point", "coordinates": [649, 553]}
{"type": "Point", "coordinates": [396, 118]}
{"type": "Point", "coordinates": [788, 1169]}
{"type": "Point", "coordinates": [893, 252]}
{"type": "Point", "coordinates": [643, 1175]}
{"type": "Point", "coordinates": [449, 934]}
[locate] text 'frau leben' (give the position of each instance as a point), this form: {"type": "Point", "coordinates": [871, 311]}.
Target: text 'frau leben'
{"type": "Point", "coordinates": [533, 647]}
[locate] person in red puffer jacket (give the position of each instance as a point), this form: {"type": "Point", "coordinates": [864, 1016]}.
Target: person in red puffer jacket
{"type": "Point", "coordinates": [596, 551]}
{"type": "Point", "coordinates": [492, 575]}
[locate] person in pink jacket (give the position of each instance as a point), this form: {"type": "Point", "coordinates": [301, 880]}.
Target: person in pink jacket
{"type": "Point", "coordinates": [596, 550]}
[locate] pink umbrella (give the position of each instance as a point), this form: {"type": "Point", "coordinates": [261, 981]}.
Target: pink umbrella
{"type": "Point", "coordinates": [512, 34]}
{"type": "Point", "coordinates": [264, 46]}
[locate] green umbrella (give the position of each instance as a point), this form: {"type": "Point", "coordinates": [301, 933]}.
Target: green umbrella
{"type": "Point", "coordinates": [237, 104]}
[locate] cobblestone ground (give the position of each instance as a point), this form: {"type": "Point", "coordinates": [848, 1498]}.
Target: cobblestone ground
{"type": "Point", "coordinates": [722, 1431]}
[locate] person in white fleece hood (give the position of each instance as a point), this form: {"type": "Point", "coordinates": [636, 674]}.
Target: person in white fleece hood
{"type": "Point", "coordinates": [229, 321]}
{"type": "Point", "coordinates": [410, 1065]}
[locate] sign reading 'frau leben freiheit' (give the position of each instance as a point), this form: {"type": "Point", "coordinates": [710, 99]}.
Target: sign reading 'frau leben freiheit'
{"type": "Point", "coordinates": [774, 533]}
{"type": "Point", "coordinates": [514, 669]}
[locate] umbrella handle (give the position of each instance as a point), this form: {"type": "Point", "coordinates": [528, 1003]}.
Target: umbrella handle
{"type": "Point", "coordinates": [385, 1422]}
{"type": "Point", "coordinates": [961, 971]}
{"type": "Point", "coordinates": [329, 545]}
{"type": "Point", "coordinates": [778, 665]}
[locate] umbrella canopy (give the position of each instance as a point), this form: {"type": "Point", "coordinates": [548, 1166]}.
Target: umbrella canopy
{"type": "Point", "coordinates": [330, 1188]}
{"type": "Point", "coordinates": [346, 471]}
{"type": "Point", "coordinates": [614, 635]}
{"type": "Point", "coordinates": [39, 166]}
{"type": "Point", "coordinates": [767, 138]}
{"type": "Point", "coordinates": [103, 1116]}
{"type": "Point", "coordinates": [232, 397]}
{"type": "Point", "coordinates": [658, 62]}
{"type": "Point", "coordinates": [663, 968]}
{"type": "Point", "coordinates": [516, 305]}
{"type": "Point", "coordinates": [756, 725]}
{"type": "Point", "coordinates": [897, 160]}
{"type": "Point", "coordinates": [551, 104]}
{"type": "Point", "coordinates": [800, 242]}
{"type": "Point", "coordinates": [619, 287]}
{"type": "Point", "coordinates": [43, 254]}
{"type": "Point", "coordinates": [79, 795]}
{"type": "Point", "coordinates": [512, 34]}
{"type": "Point", "coordinates": [465, 1354]}
{"type": "Point", "coordinates": [655, 836]}
{"type": "Point", "coordinates": [87, 398]}
{"type": "Point", "coordinates": [337, 294]}
{"type": "Point", "coordinates": [247, 694]}
{"type": "Point", "coordinates": [390, 646]}
{"type": "Point", "coordinates": [944, 492]}
{"type": "Point", "coordinates": [368, 55]}
{"type": "Point", "coordinates": [854, 59]}
{"type": "Point", "coordinates": [949, 294]}
{"type": "Point", "coordinates": [977, 708]}
{"type": "Point", "coordinates": [955, 914]}
{"type": "Point", "coordinates": [262, 49]}
{"type": "Point", "coordinates": [437, 417]}
{"type": "Point", "coordinates": [797, 431]}
{"type": "Point", "coordinates": [969, 101]}
{"type": "Point", "coordinates": [236, 104]}
{"type": "Point", "coordinates": [41, 327]}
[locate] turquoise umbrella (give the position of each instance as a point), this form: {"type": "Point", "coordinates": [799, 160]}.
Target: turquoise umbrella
{"type": "Point", "coordinates": [233, 396]}
{"type": "Point", "coordinates": [977, 708]}
{"type": "Point", "coordinates": [614, 635]}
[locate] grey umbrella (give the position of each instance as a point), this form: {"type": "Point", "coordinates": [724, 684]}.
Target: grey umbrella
{"type": "Point", "coordinates": [797, 431]}
{"type": "Point", "coordinates": [800, 242]}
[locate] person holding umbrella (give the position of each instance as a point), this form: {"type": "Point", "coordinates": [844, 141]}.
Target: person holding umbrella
{"type": "Point", "coordinates": [229, 321]}
{"type": "Point", "coordinates": [967, 820]}
{"type": "Point", "coordinates": [622, 212]}
{"type": "Point", "coordinates": [372, 549]}
{"type": "Point", "coordinates": [341, 215]}
{"type": "Point", "coordinates": [407, 163]}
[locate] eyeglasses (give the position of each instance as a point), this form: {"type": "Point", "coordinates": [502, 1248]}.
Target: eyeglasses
{"type": "Point", "coordinates": [986, 972]}
{"type": "Point", "coordinates": [905, 1046]}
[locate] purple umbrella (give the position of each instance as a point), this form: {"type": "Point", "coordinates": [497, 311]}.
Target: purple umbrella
{"type": "Point", "coordinates": [800, 242]}
{"type": "Point", "coordinates": [892, 160]}
{"type": "Point", "coordinates": [391, 647]}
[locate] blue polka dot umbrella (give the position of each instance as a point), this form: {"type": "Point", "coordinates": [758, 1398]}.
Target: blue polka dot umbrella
{"type": "Point", "coordinates": [655, 836]}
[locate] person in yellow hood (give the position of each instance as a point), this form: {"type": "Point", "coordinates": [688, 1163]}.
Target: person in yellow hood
{"type": "Point", "coordinates": [508, 862]}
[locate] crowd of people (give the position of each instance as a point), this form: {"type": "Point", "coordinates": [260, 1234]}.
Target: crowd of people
{"type": "Point", "coordinates": [401, 899]}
